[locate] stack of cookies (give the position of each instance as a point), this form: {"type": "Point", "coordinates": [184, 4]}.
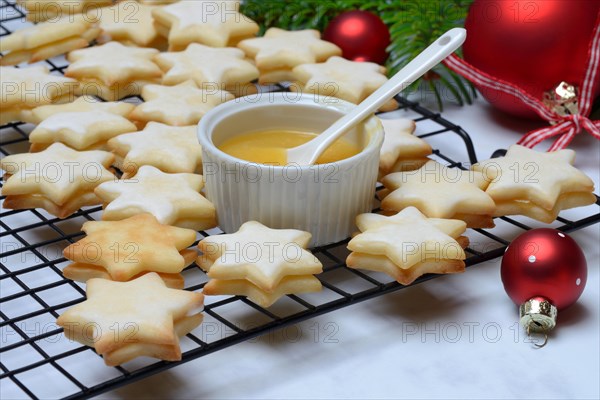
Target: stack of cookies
{"type": "Point", "coordinates": [47, 39]}
{"type": "Point", "coordinates": [441, 192]}
{"type": "Point", "coordinates": [208, 22]}
{"type": "Point", "coordinates": [408, 245]}
{"type": "Point", "coordinates": [26, 88]}
{"type": "Point", "coordinates": [337, 77]}
{"type": "Point", "coordinates": [113, 71]}
{"type": "Point", "coordinates": [179, 105]}
{"type": "Point", "coordinates": [85, 124]}
{"type": "Point", "coordinates": [125, 320]}
{"type": "Point", "coordinates": [401, 149]}
{"type": "Point", "coordinates": [59, 179]}
{"type": "Point", "coordinates": [43, 10]}
{"type": "Point", "coordinates": [212, 69]}
{"type": "Point", "coordinates": [258, 262]}
{"type": "Point", "coordinates": [279, 51]}
{"type": "Point", "coordinates": [172, 149]}
{"type": "Point", "coordinates": [131, 23]}
{"type": "Point", "coordinates": [124, 250]}
{"type": "Point", "coordinates": [538, 185]}
{"type": "Point", "coordinates": [174, 199]}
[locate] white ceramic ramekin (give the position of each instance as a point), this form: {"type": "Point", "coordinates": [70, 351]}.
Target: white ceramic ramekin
{"type": "Point", "coordinates": [321, 199]}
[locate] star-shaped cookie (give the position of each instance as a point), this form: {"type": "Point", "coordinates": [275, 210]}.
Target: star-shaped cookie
{"type": "Point", "coordinates": [78, 127]}
{"type": "Point", "coordinates": [179, 105]}
{"type": "Point", "coordinates": [112, 70]}
{"type": "Point", "coordinates": [453, 228]}
{"type": "Point", "coordinates": [42, 10]}
{"type": "Point", "coordinates": [352, 81]}
{"type": "Point", "coordinates": [58, 179]}
{"type": "Point", "coordinates": [113, 63]}
{"type": "Point", "coordinates": [25, 88]}
{"type": "Point", "coordinates": [223, 68]}
{"type": "Point", "coordinates": [536, 184]}
{"type": "Point", "coordinates": [81, 104]}
{"type": "Point", "coordinates": [258, 254]}
{"type": "Point", "coordinates": [174, 199]}
{"type": "Point", "coordinates": [281, 48]}
{"type": "Point", "coordinates": [80, 130]}
{"type": "Point", "coordinates": [401, 149]}
{"type": "Point", "coordinates": [131, 319]}
{"type": "Point", "coordinates": [129, 22]}
{"type": "Point", "coordinates": [441, 192]}
{"type": "Point", "coordinates": [260, 263]}
{"type": "Point", "coordinates": [168, 148]}
{"type": "Point", "coordinates": [47, 39]}
{"type": "Point", "coordinates": [130, 247]}
{"type": "Point", "coordinates": [408, 245]}
{"type": "Point", "coordinates": [279, 51]}
{"type": "Point", "coordinates": [209, 22]}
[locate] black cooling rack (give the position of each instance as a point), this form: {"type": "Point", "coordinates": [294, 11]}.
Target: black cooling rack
{"type": "Point", "coordinates": [37, 361]}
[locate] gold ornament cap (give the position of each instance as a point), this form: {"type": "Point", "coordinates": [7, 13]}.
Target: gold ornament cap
{"type": "Point", "coordinates": [538, 315]}
{"type": "Point", "coordinates": [563, 99]}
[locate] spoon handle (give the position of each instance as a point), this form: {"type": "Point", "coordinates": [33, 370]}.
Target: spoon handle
{"type": "Point", "coordinates": [427, 59]}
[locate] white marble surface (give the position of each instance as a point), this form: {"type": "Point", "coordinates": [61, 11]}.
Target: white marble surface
{"type": "Point", "coordinates": [452, 337]}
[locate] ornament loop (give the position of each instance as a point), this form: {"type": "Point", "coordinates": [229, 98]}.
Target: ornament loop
{"type": "Point", "coordinates": [539, 328]}
{"type": "Point", "coordinates": [539, 346]}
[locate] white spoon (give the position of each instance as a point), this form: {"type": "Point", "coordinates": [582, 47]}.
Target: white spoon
{"type": "Point", "coordinates": [309, 152]}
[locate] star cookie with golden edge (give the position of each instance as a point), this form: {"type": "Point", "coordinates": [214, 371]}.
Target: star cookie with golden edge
{"type": "Point", "coordinates": [47, 39]}
{"type": "Point", "coordinates": [26, 88]}
{"type": "Point", "coordinates": [81, 104]}
{"type": "Point", "coordinates": [259, 262]}
{"type": "Point", "coordinates": [169, 148]}
{"type": "Point", "coordinates": [209, 22]}
{"type": "Point", "coordinates": [79, 130]}
{"type": "Point", "coordinates": [129, 22]}
{"type": "Point", "coordinates": [535, 184]}
{"type": "Point", "coordinates": [224, 68]}
{"type": "Point", "coordinates": [123, 250]}
{"type": "Point", "coordinates": [179, 105]}
{"type": "Point", "coordinates": [59, 179]}
{"type": "Point", "coordinates": [43, 10]}
{"type": "Point", "coordinates": [352, 81]}
{"type": "Point", "coordinates": [126, 320]}
{"type": "Point", "coordinates": [279, 51]}
{"type": "Point", "coordinates": [174, 199]}
{"type": "Point", "coordinates": [401, 149]}
{"type": "Point", "coordinates": [112, 70]}
{"type": "Point", "coordinates": [276, 253]}
{"type": "Point", "coordinates": [441, 192]}
{"type": "Point", "coordinates": [408, 245]}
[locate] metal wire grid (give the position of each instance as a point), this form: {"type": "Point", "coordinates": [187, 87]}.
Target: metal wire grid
{"type": "Point", "coordinates": [36, 360]}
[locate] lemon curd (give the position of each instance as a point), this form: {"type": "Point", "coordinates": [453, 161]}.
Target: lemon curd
{"type": "Point", "coordinates": [269, 147]}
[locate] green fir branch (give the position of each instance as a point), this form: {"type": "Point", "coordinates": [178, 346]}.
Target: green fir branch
{"type": "Point", "coordinates": [413, 25]}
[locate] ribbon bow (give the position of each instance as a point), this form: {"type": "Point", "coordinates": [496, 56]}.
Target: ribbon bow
{"type": "Point", "coordinates": [564, 126]}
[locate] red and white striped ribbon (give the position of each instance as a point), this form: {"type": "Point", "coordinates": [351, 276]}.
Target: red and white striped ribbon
{"type": "Point", "coordinates": [565, 127]}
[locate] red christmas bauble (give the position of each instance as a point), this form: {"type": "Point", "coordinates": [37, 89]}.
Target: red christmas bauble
{"type": "Point", "coordinates": [361, 35]}
{"type": "Point", "coordinates": [535, 44]}
{"type": "Point", "coordinates": [544, 263]}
